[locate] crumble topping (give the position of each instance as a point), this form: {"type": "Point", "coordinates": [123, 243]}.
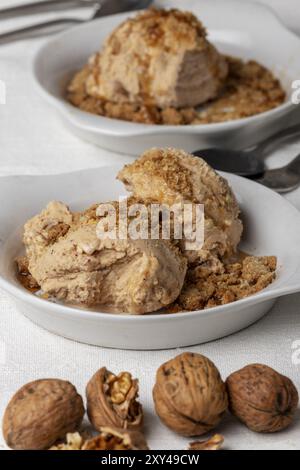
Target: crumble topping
{"type": "Point", "coordinates": [234, 281]}
{"type": "Point", "coordinates": [67, 259]}
{"type": "Point", "coordinates": [24, 276]}
{"type": "Point", "coordinates": [249, 89]}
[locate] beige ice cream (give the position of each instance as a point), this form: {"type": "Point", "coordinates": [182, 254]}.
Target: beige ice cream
{"type": "Point", "coordinates": [159, 57]}
{"type": "Point", "coordinates": [71, 263]}
{"type": "Point", "coordinates": [44, 229]}
{"type": "Point", "coordinates": [170, 176]}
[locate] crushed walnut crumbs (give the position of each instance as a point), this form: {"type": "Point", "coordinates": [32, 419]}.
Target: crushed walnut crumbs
{"type": "Point", "coordinates": [250, 89]}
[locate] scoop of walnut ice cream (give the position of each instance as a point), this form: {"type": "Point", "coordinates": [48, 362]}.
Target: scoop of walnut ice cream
{"type": "Point", "coordinates": [170, 176]}
{"type": "Point", "coordinates": [159, 57]}
{"type": "Point", "coordinates": [70, 263]}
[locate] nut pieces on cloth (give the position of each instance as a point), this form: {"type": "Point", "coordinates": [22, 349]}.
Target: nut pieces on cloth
{"type": "Point", "coordinates": [213, 443]}
{"type": "Point", "coordinates": [189, 397]}
{"type": "Point", "coordinates": [107, 439]}
{"type": "Point", "coordinates": [116, 439]}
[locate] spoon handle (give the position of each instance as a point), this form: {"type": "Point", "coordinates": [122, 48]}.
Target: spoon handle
{"type": "Point", "coordinates": [36, 29]}
{"type": "Point", "coordinates": [43, 7]}
{"type": "Point", "coordinates": [294, 165]}
{"type": "Point", "coordinates": [284, 179]}
{"type": "Point", "coordinates": [267, 143]}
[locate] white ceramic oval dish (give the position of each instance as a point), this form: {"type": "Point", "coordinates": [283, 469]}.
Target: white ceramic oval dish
{"type": "Point", "coordinates": [272, 227]}
{"type": "Point", "coordinates": [243, 29]}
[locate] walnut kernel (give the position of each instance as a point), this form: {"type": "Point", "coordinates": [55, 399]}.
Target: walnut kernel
{"type": "Point", "coordinates": [116, 439]}
{"type": "Point", "coordinates": [112, 400]}
{"type": "Point", "coordinates": [74, 441]}
{"type": "Point", "coordinates": [213, 443]}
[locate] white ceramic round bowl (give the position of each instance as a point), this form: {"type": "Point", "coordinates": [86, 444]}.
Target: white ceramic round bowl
{"type": "Point", "coordinates": [272, 227]}
{"type": "Point", "coordinates": [243, 29]}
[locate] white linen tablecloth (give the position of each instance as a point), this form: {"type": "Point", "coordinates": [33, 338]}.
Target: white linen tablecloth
{"type": "Point", "coordinates": [33, 141]}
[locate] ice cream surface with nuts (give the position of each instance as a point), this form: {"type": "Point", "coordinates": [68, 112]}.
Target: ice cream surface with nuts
{"type": "Point", "coordinates": [160, 67]}
{"type": "Point", "coordinates": [159, 57]}
{"type": "Point", "coordinates": [170, 176]}
{"type": "Point", "coordinates": [72, 264]}
{"type": "Point", "coordinates": [68, 260]}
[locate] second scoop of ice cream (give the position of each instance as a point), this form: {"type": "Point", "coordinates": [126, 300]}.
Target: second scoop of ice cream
{"type": "Point", "coordinates": [70, 263]}
{"type": "Point", "coordinates": [161, 58]}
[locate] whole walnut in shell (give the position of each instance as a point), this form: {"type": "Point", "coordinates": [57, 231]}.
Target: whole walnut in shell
{"type": "Point", "coordinates": [112, 400]}
{"type": "Point", "coordinates": [40, 413]}
{"type": "Point", "coordinates": [262, 398]}
{"type": "Point", "coordinates": [189, 394]}
{"type": "Point", "coordinates": [116, 439]}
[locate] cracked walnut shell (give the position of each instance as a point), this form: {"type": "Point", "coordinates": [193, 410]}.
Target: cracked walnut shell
{"type": "Point", "coordinates": [262, 398]}
{"type": "Point", "coordinates": [112, 400]}
{"type": "Point", "coordinates": [40, 413]}
{"type": "Point", "coordinates": [116, 439]}
{"type": "Point", "coordinates": [189, 394]}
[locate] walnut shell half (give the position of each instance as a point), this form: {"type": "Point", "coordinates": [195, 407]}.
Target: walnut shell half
{"type": "Point", "coordinates": [40, 413]}
{"type": "Point", "coordinates": [112, 400]}
{"type": "Point", "coordinates": [116, 439]}
{"type": "Point", "coordinates": [189, 394]}
{"type": "Point", "coordinates": [262, 398]}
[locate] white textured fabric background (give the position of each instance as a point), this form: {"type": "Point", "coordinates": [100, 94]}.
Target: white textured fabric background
{"type": "Point", "coordinates": [32, 141]}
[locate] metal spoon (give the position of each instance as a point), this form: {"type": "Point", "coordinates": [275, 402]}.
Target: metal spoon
{"type": "Point", "coordinates": [284, 179]}
{"type": "Point", "coordinates": [44, 6]}
{"type": "Point", "coordinates": [245, 162]}
{"type": "Point", "coordinates": [107, 7]}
